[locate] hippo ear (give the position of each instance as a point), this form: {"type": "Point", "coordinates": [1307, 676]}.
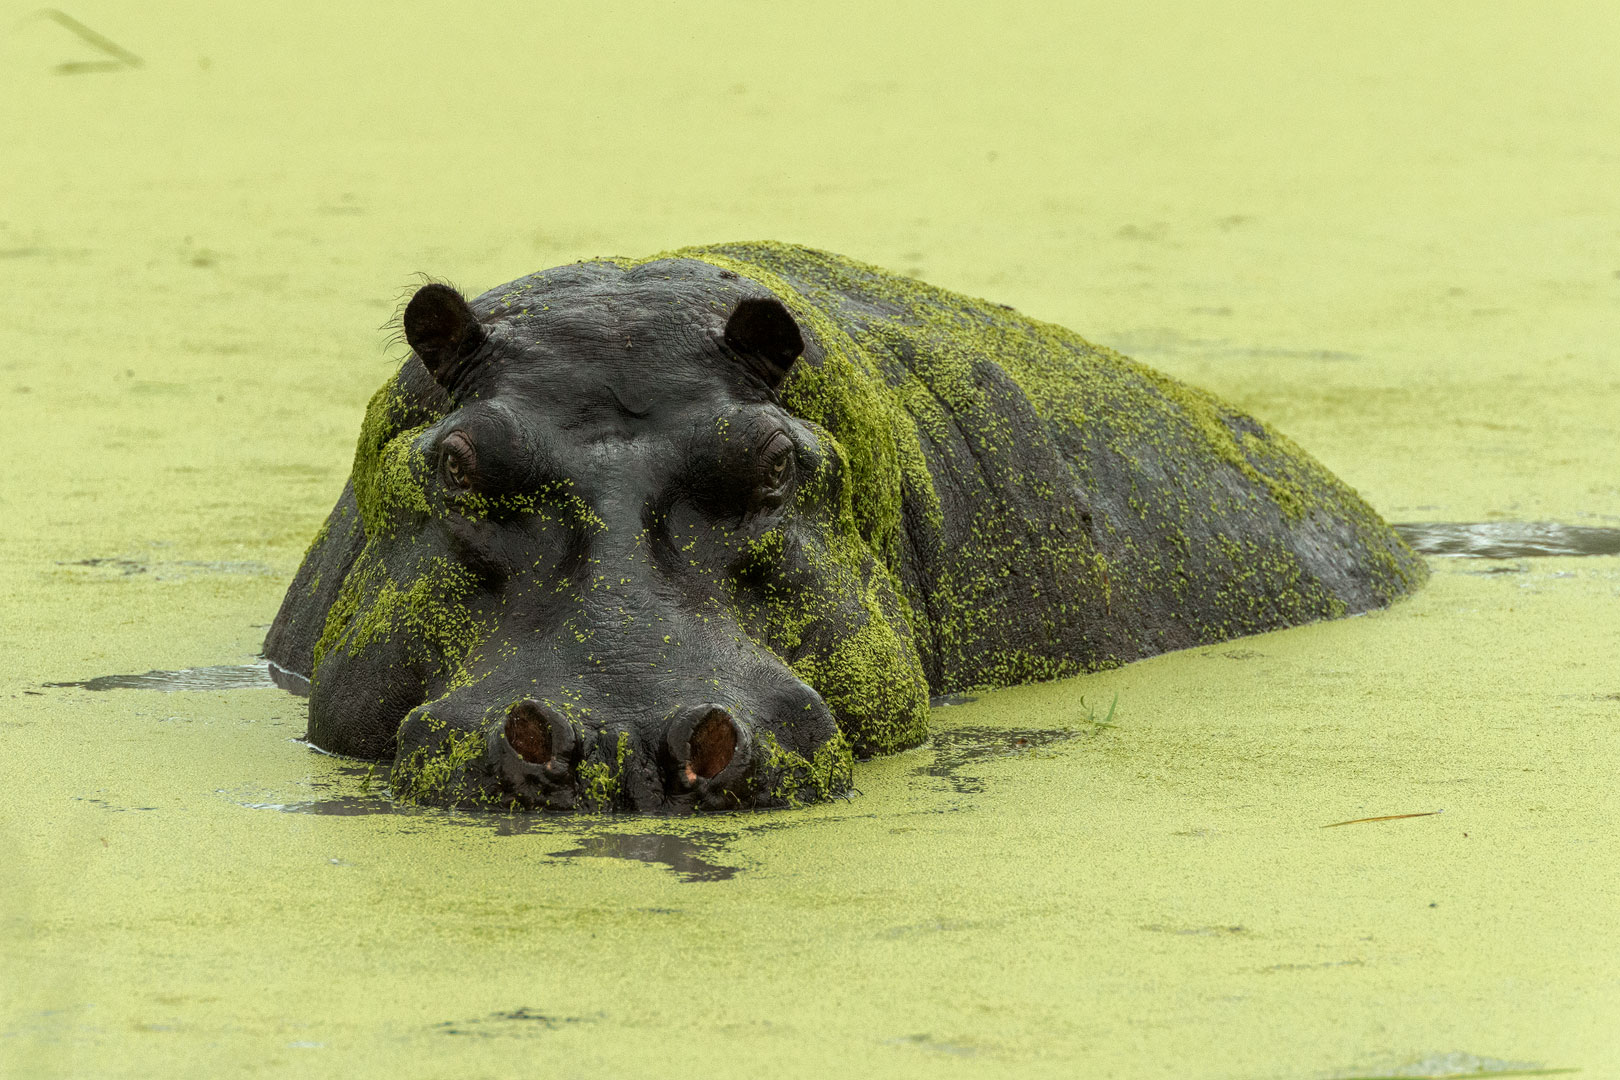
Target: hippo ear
{"type": "Point", "coordinates": [764, 335]}
{"type": "Point", "coordinates": [442, 329]}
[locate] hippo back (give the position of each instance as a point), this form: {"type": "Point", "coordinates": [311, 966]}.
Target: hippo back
{"type": "Point", "coordinates": [1048, 506]}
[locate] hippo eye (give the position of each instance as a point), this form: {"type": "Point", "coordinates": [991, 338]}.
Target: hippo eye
{"type": "Point", "coordinates": [775, 469]}
{"type": "Point", "coordinates": [458, 460]}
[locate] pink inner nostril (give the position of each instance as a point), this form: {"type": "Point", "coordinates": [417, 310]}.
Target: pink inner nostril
{"type": "Point", "coordinates": [713, 743]}
{"type": "Point", "coordinates": [528, 733]}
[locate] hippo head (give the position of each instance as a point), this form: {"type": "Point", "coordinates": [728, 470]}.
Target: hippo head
{"type": "Point", "coordinates": [603, 564]}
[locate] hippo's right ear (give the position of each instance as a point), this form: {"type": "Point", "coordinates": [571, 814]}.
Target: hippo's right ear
{"type": "Point", "coordinates": [442, 329]}
{"type": "Point", "coordinates": [763, 334]}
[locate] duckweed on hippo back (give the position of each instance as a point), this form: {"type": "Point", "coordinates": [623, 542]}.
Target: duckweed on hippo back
{"type": "Point", "coordinates": [696, 531]}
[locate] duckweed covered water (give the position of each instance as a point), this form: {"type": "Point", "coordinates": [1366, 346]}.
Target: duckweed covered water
{"type": "Point", "coordinates": [1385, 229]}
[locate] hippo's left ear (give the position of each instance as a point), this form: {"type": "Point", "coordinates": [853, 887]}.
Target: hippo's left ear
{"type": "Point", "coordinates": [442, 329]}
{"type": "Point", "coordinates": [763, 334]}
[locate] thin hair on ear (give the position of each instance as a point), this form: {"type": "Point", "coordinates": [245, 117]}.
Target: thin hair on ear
{"type": "Point", "coordinates": [395, 323]}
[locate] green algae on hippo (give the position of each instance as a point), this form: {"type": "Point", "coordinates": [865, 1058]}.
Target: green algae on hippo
{"type": "Point", "coordinates": [695, 531]}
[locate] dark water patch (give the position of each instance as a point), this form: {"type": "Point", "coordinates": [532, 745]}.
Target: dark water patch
{"type": "Point", "coordinates": [935, 926]}
{"type": "Point", "coordinates": [357, 791]}
{"type": "Point", "coordinates": [940, 701]}
{"type": "Point", "coordinates": [514, 1023]}
{"type": "Point", "coordinates": [290, 681]}
{"type": "Point", "coordinates": [684, 856]}
{"type": "Point", "coordinates": [337, 806]}
{"type": "Point", "coordinates": [1312, 967]}
{"type": "Point", "coordinates": [1508, 539]}
{"type": "Point", "coordinates": [42, 253]}
{"type": "Point", "coordinates": [222, 677]}
{"type": "Point", "coordinates": [123, 566]}
{"type": "Point", "coordinates": [1196, 931]}
{"type": "Point", "coordinates": [689, 856]}
{"type": "Point", "coordinates": [957, 750]}
{"type": "Point", "coordinates": [172, 569]}
{"type": "Point", "coordinates": [925, 1041]}
{"type": "Point", "coordinates": [105, 805]}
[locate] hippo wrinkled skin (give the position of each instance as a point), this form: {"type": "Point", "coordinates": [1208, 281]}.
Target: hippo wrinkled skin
{"type": "Point", "coordinates": [696, 531]}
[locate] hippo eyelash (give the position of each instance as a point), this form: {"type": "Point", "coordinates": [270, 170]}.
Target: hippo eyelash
{"type": "Point", "coordinates": [458, 461]}
{"type": "Point", "coordinates": [777, 470]}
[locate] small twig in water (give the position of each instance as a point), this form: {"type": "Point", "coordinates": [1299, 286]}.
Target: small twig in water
{"type": "Point", "coordinates": [122, 57]}
{"type": "Point", "coordinates": [1386, 817]}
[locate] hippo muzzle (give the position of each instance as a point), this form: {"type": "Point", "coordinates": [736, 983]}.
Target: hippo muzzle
{"type": "Point", "coordinates": [532, 755]}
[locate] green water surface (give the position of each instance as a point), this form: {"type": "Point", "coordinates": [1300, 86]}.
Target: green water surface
{"type": "Point", "coordinates": [1392, 230]}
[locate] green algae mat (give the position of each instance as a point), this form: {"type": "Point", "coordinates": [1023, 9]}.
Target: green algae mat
{"type": "Point", "coordinates": [1387, 232]}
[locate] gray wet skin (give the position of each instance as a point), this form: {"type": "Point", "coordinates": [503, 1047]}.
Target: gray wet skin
{"type": "Point", "coordinates": [655, 436]}
{"type": "Point", "coordinates": [595, 554]}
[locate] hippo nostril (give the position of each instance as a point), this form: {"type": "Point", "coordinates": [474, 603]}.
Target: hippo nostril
{"type": "Point", "coordinates": [713, 742]}
{"type": "Point", "coordinates": [535, 754]}
{"type": "Point", "coordinates": [707, 748]}
{"type": "Point", "coordinates": [531, 729]}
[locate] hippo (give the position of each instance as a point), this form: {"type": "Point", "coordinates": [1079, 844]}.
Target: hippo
{"type": "Point", "coordinates": [696, 531]}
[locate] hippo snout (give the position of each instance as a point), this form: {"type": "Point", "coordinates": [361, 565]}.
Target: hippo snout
{"type": "Point", "coordinates": [779, 746]}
